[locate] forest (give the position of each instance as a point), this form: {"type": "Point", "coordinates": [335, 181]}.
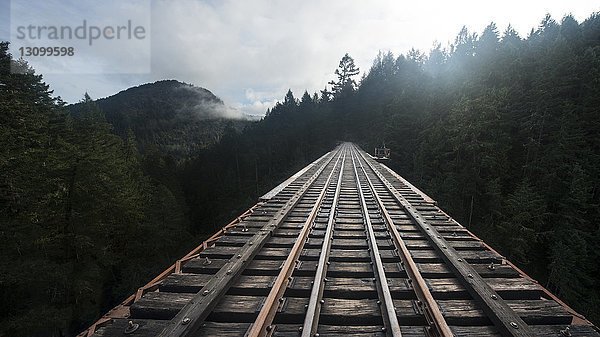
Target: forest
{"type": "Point", "coordinates": [502, 130]}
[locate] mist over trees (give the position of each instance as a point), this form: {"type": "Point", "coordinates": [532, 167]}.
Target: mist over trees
{"type": "Point", "coordinates": [502, 130]}
{"type": "Point", "coordinates": [168, 116]}
{"type": "Point", "coordinates": [82, 223]}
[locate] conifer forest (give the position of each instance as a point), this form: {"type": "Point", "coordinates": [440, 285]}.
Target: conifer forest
{"type": "Point", "coordinates": [502, 130]}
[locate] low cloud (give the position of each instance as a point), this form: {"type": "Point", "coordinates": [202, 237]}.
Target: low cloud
{"type": "Point", "coordinates": [204, 105]}
{"type": "Point", "coordinates": [256, 108]}
{"type": "Point", "coordinates": [228, 46]}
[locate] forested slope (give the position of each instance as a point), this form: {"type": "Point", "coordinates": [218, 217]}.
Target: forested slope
{"type": "Point", "coordinates": [169, 116]}
{"type": "Point", "coordinates": [502, 130]}
{"type": "Point", "coordinates": [83, 223]}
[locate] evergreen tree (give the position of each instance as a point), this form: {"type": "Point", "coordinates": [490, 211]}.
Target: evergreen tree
{"type": "Point", "coordinates": [345, 84]}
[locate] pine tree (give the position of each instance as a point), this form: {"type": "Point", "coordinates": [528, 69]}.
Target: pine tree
{"type": "Point", "coordinates": [345, 84]}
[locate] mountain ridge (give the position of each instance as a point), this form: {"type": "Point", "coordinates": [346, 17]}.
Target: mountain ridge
{"type": "Point", "coordinates": [175, 117]}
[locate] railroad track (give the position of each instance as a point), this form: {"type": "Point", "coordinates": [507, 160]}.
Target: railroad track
{"type": "Point", "coordinates": [344, 247]}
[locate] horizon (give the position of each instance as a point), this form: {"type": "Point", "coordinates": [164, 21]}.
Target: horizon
{"type": "Point", "coordinates": [250, 55]}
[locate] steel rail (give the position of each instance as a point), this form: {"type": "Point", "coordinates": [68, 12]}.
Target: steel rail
{"type": "Point", "coordinates": [391, 318]}
{"type": "Point", "coordinates": [502, 316]}
{"type": "Point", "coordinates": [263, 321]}
{"type": "Point", "coordinates": [437, 324]}
{"type": "Point", "coordinates": [311, 320]}
{"type": "Point", "coordinates": [189, 319]}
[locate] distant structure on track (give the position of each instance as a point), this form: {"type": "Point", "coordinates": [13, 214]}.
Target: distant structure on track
{"type": "Point", "coordinates": [345, 247]}
{"type": "Point", "coordinates": [382, 153]}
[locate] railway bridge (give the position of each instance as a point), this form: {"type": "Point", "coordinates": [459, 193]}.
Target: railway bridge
{"type": "Point", "coordinates": [345, 247]}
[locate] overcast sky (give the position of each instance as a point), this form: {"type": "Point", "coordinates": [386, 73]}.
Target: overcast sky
{"type": "Point", "coordinates": [249, 52]}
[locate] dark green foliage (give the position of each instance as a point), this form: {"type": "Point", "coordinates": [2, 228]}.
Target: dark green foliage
{"type": "Point", "coordinates": [78, 213]}
{"type": "Point", "coordinates": [345, 84]}
{"type": "Point", "coordinates": [176, 118]}
{"type": "Point", "coordinates": [501, 130]}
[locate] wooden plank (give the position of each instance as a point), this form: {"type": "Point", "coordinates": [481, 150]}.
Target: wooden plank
{"type": "Point", "coordinates": [284, 330]}
{"type": "Point", "coordinates": [286, 232]}
{"type": "Point", "coordinates": [268, 253]}
{"type": "Point", "coordinates": [184, 283]}
{"type": "Point", "coordinates": [159, 305]}
{"type": "Point", "coordinates": [350, 312]}
{"type": "Point", "coordinates": [272, 302]}
{"type": "Point", "coordinates": [539, 330]}
{"type": "Point", "coordinates": [229, 329]}
{"type": "Point", "coordinates": [458, 245]}
{"type": "Point", "coordinates": [350, 269]}
{"type": "Point", "coordinates": [388, 311]}
{"type": "Point", "coordinates": [559, 330]}
{"type": "Point", "coordinates": [349, 226]}
{"type": "Point", "coordinates": [193, 283]}
{"type": "Point", "coordinates": [116, 327]}
{"type": "Point", "coordinates": [231, 240]}
{"type": "Point", "coordinates": [463, 235]}
{"type": "Point", "coordinates": [508, 288]}
{"type": "Point", "coordinates": [440, 270]}
{"type": "Point", "coordinates": [335, 287]}
{"type": "Point", "coordinates": [507, 321]}
{"type": "Point", "coordinates": [190, 318]}
{"type": "Point", "coordinates": [245, 309]}
{"type": "Point", "coordinates": [466, 312]}
{"type": "Point", "coordinates": [338, 255]}
{"type": "Point", "coordinates": [470, 256]}
{"type": "Point", "coordinates": [275, 242]}
{"type": "Point", "coordinates": [219, 252]}
{"type": "Point", "coordinates": [201, 266]}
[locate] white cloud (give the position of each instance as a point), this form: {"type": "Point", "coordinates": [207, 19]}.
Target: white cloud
{"type": "Point", "coordinates": [249, 52]}
{"type": "Point", "coordinates": [255, 107]}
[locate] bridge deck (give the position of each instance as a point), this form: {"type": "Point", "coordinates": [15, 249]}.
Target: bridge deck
{"type": "Point", "coordinates": [344, 247]}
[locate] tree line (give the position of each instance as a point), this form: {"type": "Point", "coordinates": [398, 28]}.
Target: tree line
{"type": "Point", "coordinates": [82, 219]}
{"type": "Point", "coordinates": [501, 130]}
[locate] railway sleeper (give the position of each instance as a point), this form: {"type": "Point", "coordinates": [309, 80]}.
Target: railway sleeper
{"type": "Point", "coordinates": [243, 308]}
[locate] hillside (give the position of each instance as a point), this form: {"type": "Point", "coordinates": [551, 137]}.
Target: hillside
{"type": "Point", "coordinates": [501, 130]}
{"type": "Point", "coordinates": [177, 118]}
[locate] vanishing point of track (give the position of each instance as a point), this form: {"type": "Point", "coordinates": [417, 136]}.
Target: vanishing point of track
{"type": "Point", "coordinates": [344, 247]}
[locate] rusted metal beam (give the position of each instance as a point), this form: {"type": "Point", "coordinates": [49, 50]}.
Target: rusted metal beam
{"type": "Point", "coordinates": [265, 317]}
{"type": "Point", "coordinates": [122, 310]}
{"type": "Point", "coordinates": [311, 320]}
{"type": "Point", "coordinates": [189, 319]}
{"type": "Point", "coordinates": [432, 313]}
{"type": "Point", "coordinates": [390, 316]}
{"type": "Point", "coordinates": [503, 317]}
